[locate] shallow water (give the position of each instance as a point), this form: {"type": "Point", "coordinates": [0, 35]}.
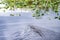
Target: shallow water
{"type": "Point", "coordinates": [26, 27]}
{"type": "Point", "coordinates": [17, 28]}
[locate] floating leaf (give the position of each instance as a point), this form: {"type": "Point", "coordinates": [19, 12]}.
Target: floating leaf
{"type": "Point", "coordinates": [11, 14]}
{"type": "Point", "coordinates": [42, 14]}
{"type": "Point", "coordinates": [56, 17]}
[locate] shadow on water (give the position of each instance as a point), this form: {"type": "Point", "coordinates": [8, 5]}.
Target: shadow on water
{"type": "Point", "coordinates": [39, 32]}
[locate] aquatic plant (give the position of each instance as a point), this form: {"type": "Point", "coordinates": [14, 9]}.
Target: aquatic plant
{"type": "Point", "coordinates": [35, 5]}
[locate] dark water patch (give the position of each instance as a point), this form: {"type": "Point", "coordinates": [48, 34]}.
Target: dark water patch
{"type": "Point", "coordinates": [36, 30]}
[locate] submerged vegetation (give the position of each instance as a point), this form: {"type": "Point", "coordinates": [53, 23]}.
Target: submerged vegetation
{"type": "Point", "coordinates": [35, 5]}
